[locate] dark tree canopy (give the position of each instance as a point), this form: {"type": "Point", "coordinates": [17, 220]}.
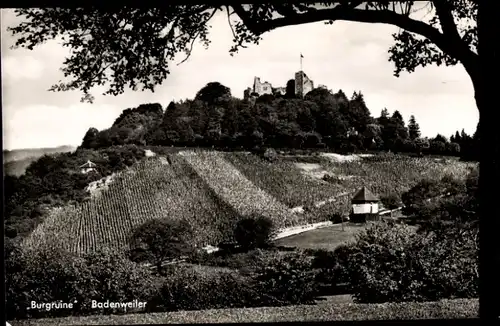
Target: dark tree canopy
{"type": "Point", "coordinates": [133, 47]}
{"type": "Point", "coordinates": [213, 93]}
{"type": "Point", "coordinates": [162, 239]}
{"type": "Point", "coordinates": [413, 128]}
{"type": "Point", "coordinates": [90, 138]}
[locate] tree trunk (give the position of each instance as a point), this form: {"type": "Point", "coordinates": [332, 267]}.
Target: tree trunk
{"type": "Point", "coordinates": [489, 175]}
{"type": "Point", "coordinates": [489, 225]}
{"type": "Point", "coordinates": [159, 268]}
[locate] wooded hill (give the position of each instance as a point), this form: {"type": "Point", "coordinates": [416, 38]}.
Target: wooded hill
{"type": "Point", "coordinates": [321, 120]}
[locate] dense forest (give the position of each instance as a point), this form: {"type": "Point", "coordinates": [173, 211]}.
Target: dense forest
{"type": "Point", "coordinates": [321, 119]}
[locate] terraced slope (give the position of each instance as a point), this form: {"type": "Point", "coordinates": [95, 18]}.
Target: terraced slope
{"type": "Point", "coordinates": [236, 190]}
{"type": "Point", "coordinates": [295, 181]}
{"type": "Point", "coordinates": [212, 190]}
{"type": "Point", "coordinates": [283, 180]}
{"type": "Point", "coordinates": [150, 190]}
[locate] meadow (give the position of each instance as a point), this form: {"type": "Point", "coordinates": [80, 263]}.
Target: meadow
{"type": "Point", "coordinates": [446, 309]}
{"type": "Point", "coordinates": [328, 238]}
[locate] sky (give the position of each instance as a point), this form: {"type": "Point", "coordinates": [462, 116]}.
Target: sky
{"type": "Point", "coordinates": [346, 55]}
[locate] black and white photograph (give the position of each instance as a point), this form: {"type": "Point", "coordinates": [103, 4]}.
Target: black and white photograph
{"type": "Point", "coordinates": [243, 163]}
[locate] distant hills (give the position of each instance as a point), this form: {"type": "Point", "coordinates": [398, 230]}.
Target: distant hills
{"type": "Point", "coordinates": [16, 161]}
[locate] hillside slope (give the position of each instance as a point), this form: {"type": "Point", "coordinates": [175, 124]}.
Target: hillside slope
{"type": "Point", "coordinates": [298, 180]}
{"type": "Point", "coordinates": [171, 186]}
{"type": "Point", "coordinates": [16, 162]}
{"type": "Point", "coordinates": [235, 189]}
{"type": "Point", "coordinates": [212, 190]}
{"type": "Point", "coordinates": [21, 154]}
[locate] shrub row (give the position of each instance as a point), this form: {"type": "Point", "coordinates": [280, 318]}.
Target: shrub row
{"type": "Point", "coordinates": [391, 263]}
{"type": "Point", "coordinates": [386, 263]}
{"type": "Point", "coordinates": [283, 280]}
{"type": "Point", "coordinates": [55, 276]}
{"type": "Point", "coordinates": [51, 276]}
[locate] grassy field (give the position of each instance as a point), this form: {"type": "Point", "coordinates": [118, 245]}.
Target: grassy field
{"type": "Point", "coordinates": [325, 311]}
{"type": "Point", "coordinates": [327, 238]}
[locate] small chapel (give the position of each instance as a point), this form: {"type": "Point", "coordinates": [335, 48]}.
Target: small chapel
{"type": "Point", "coordinates": [88, 167]}
{"type": "Point", "coordinates": [365, 206]}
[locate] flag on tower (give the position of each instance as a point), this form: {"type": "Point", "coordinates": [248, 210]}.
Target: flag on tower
{"type": "Point", "coordinates": [301, 55]}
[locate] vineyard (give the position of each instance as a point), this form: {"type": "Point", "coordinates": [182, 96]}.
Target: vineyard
{"type": "Point", "coordinates": [282, 180]}
{"type": "Point", "coordinates": [382, 175]}
{"type": "Point", "coordinates": [235, 189]}
{"type": "Point", "coordinates": [212, 190]}
{"type": "Point", "coordinates": [149, 190]}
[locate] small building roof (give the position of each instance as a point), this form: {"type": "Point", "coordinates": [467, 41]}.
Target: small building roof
{"type": "Point", "coordinates": [364, 195]}
{"type": "Point", "coordinates": [88, 164]}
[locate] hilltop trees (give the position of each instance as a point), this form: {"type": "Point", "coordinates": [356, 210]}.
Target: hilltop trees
{"type": "Point", "coordinates": [358, 114]}
{"type": "Point", "coordinates": [133, 126]}
{"type": "Point", "coordinates": [413, 128]}
{"type": "Point", "coordinates": [170, 124]}
{"type": "Point", "coordinates": [321, 120]}
{"type": "Point", "coordinates": [214, 93]}
{"type": "Point", "coordinates": [90, 140]}
{"type": "Point", "coordinates": [394, 133]}
{"type": "Point", "coordinates": [143, 115]}
{"type": "Point", "coordinates": [468, 145]}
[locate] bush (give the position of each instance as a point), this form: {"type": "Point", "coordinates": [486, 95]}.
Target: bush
{"type": "Point", "coordinates": [232, 260]}
{"type": "Point", "coordinates": [254, 232]}
{"type": "Point", "coordinates": [287, 279]}
{"type": "Point", "coordinates": [162, 239]}
{"type": "Point", "coordinates": [391, 201]}
{"type": "Point", "coordinates": [115, 278]}
{"type": "Point", "coordinates": [337, 218]}
{"type": "Point", "coordinates": [330, 266]}
{"type": "Point", "coordinates": [391, 263]}
{"type": "Point", "coordinates": [46, 276]}
{"type": "Point", "coordinates": [270, 154]}
{"type": "Point", "coordinates": [269, 279]}
{"type": "Point", "coordinates": [188, 288]}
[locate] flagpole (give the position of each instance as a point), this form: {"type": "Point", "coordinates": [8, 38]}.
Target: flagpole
{"type": "Point", "coordinates": [301, 62]}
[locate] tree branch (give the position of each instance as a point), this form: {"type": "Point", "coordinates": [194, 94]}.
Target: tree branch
{"type": "Point", "coordinates": [343, 13]}
{"type": "Point", "coordinates": [444, 12]}
{"type": "Point", "coordinates": [229, 21]}
{"type": "Point", "coordinates": [450, 31]}
{"type": "Point", "coordinates": [245, 17]}
{"type": "Point", "coordinates": [452, 46]}
{"type": "Point", "coordinates": [195, 37]}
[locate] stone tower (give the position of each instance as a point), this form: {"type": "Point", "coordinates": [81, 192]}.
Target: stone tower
{"type": "Point", "coordinates": [303, 84]}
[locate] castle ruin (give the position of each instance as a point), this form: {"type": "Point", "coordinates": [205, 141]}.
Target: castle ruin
{"type": "Point", "coordinates": [303, 85]}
